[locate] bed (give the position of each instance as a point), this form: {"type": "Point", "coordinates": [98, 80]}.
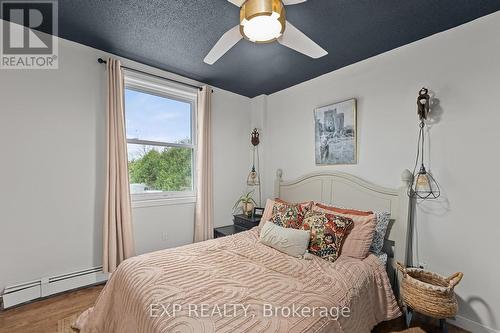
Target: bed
{"type": "Point", "coordinates": [237, 284]}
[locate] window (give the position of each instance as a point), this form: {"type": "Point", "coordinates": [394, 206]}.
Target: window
{"type": "Point", "coordinates": [161, 140]}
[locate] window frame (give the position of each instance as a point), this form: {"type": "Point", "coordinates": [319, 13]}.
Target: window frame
{"type": "Point", "coordinates": [162, 88]}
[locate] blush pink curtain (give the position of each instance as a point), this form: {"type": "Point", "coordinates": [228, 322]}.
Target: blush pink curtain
{"type": "Point", "coordinates": [204, 212]}
{"type": "Point", "coordinates": [117, 233]}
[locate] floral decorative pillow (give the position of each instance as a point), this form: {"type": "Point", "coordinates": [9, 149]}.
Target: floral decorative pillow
{"type": "Point", "coordinates": [357, 243]}
{"type": "Point", "coordinates": [381, 223]}
{"type": "Point", "coordinates": [289, 215]}
{"type": "Point", "coordinates": [328, 232]}
{"type": "Point", "coordinates": [380, 231]}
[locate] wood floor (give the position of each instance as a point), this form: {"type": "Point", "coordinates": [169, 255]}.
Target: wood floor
{"type": "Point", "coordinates": [56, 314]}
{"type": "Point", "coordinates": [52, 315]}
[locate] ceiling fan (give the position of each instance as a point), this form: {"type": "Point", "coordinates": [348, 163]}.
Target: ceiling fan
{"type": "Point", "coordinates": [264, 21]}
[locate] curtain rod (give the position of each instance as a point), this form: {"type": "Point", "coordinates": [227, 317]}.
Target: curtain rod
{"type": "Point", "coordinates": [102, 61]}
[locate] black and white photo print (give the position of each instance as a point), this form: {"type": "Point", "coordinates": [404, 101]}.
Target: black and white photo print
{"type": "Point", "coordinates": [335, 133]}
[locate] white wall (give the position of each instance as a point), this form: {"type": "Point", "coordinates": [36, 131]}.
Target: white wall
{"type": "Point", "coordinates": [231, 142]}
{"type": "Point", "coordinates": [52, 129]}
{"type": "Point", "coordinates": [460, 231]}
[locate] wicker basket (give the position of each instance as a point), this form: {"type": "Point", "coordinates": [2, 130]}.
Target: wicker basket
{"type": "Point", "coordinates": [429, 293]}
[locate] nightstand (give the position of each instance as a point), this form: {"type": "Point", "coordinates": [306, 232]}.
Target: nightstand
{"type": "Point", "coordinates": [241, 223]}
{"type": "Point", "coordinates": [246, 222]}
{"type": "Point", "coordinates": [227, 230]}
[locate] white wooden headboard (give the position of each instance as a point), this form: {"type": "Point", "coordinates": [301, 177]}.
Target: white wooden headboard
{"type": "Point", "coordinates": [342, 189]}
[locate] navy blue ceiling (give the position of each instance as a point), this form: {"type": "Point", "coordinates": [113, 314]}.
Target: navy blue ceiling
{"type": "Point", "coordinates": [175, 35]}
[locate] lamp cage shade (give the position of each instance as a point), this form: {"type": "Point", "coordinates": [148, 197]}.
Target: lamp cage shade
{"type": "Point", "coordinates": [424, 186]}
{"type": "Point", "coordinates": [253, 178]}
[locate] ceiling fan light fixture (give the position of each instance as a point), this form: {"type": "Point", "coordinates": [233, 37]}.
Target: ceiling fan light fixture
{"type": "Point", "coordinates": [262, 21]}
{"type": "Point", "coordinates": [262, 29]}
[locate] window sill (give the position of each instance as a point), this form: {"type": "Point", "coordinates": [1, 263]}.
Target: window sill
{"type": "Point", "coordinates": [155, 202]}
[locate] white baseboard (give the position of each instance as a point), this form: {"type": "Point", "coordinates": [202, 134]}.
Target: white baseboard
{"type": "Point", "coordinates": [22, 294]}
{"type": "Point", "coordinates": [471, 326]}
{"type": "Point", "coordinates": [26, 292]}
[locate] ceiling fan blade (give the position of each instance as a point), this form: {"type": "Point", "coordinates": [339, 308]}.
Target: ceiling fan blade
{"type": "Point", "coordinates": [226, 42]}
{"type": "Point", "coordinates": [298, 41]}
{"type": "Point", "coordinates": [292, 2]}
{"type": "Point", "coordinates": [238, 3]}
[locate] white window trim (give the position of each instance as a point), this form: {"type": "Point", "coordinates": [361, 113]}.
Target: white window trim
{"type": "Point", "coordinates": [152, 202]}
{"type": "Point", "coordinates": [162, 88]}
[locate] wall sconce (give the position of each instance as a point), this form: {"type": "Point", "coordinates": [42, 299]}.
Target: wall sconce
{"type": "Point", "coordinates": [253, 178]}
{"type": "Point", "coordinates": [424, 186]}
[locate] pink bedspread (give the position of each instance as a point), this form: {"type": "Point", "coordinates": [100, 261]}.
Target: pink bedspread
{"type": "Point", "coordinates": [236, 284]}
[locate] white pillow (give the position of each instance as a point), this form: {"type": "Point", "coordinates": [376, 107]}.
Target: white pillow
{"type": "Point", "coordinates": [291, 241]}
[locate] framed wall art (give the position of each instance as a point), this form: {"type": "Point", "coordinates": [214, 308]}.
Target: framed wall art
{"type": "Point", "coordinates": [336, 133]}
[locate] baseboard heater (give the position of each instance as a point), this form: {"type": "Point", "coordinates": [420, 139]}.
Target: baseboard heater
{"type": "Point", "coordinates": [29, 291]}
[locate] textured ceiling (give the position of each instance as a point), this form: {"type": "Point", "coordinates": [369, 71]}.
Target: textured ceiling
{"type": "Point", "coordinates": [175, 35]}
